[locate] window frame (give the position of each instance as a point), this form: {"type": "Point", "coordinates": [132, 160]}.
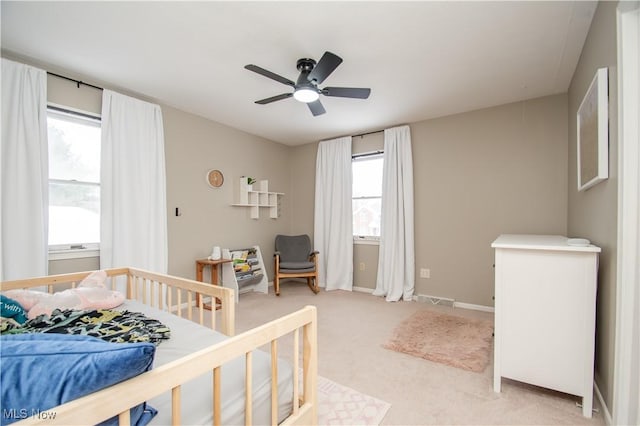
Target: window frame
{"type": "Point", "coordinates": [83, 249]}
{"type": "Point", "coordinates": [367, 156]}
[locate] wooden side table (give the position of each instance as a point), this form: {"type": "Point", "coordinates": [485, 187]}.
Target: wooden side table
{"type": "Point", "coordinates": [200, 264]}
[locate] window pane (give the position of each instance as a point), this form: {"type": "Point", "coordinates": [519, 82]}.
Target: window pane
{"type": "Point", "coordinates": [366, 217]}
{"type": "Point", "coordinates": [74, 148]}
{"type": "Point", "coordinates": [367, 183]}
{"type": "Point", "coordinates": [74, 179]}
{"type": "Point", "coordinates": [367, 177]}
{"type": "Point", "coordinates": [74, 213]}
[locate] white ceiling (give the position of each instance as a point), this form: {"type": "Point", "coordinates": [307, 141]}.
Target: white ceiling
{"type": "Point", "coordinates": [420, 59]}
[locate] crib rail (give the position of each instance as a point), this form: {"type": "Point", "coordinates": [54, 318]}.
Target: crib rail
{"type": "Point", "coordinates": [118, 399]}
{"type": "Point", "coordinates": [165, 292]}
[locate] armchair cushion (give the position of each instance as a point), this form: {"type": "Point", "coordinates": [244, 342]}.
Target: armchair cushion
{"type": "Point", "coordinates": [296, 271]}
{"type": "Point", "coordinates": [293, 248]}
{"type": "Point", "coordinates": [297, 265]}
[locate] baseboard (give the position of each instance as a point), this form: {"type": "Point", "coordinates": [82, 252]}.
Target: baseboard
{"type": "Point", "coordinates": [363, 289]}
{"type": "Point", "coordinates": [473, 307]}
{"type": "Point", "coordinates": [453, 303]}
{"type": "Point", "coordinates": [605, 410]}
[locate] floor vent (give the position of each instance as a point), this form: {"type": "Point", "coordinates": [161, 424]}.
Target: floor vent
{"type": "Point", "coordinates": [434, 300]}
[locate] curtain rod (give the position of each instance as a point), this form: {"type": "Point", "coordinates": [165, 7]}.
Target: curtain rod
{"type": "Point", "coordinates": [368, 133]}
{"type": "Point", "coordinates": [367, 154]}
{"type": "Point", "coordinates": [78, 82]}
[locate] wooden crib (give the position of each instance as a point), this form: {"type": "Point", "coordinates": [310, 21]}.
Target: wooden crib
{"type": "Point", "coordinates": [185, 298]}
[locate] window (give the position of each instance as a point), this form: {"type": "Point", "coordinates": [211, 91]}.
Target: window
{"type": "Point", "coordinates": [367, 195]}
{"type": "Point", "coordinates": [74, 180]}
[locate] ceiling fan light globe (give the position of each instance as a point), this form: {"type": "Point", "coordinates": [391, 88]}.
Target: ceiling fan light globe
{"type": "Point", "coordinates": [306, 95]}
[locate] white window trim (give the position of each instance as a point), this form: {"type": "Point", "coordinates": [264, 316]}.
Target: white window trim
{"type": "Point", "coordinates": [371, 240]}
{"type": "Point", "coordinates": [80, 250]}
{"type": "Point", "coordinates": [73, 112]}
{"type": "Point", "coordinates": [65, 252]}
{"type": "Point", "coordinates": [366, 240]}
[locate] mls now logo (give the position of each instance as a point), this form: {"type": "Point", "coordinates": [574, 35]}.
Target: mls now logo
{"type": "Point", "coordinates": [23, 413]}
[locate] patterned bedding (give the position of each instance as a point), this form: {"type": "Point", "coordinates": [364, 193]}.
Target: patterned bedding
{"type": "Point", "coordinates": [109, 325]}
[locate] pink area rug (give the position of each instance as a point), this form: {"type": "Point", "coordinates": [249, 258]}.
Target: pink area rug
{"type": "Point", "coordinates": [340, 405]}
{"type": "Point", "coordinates": [456, 341]}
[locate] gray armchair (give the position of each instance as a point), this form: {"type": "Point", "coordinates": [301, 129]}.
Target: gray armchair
{"type": "Point", "coordinates": [294, 259]}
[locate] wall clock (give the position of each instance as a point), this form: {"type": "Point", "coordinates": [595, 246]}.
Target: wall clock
{"type": "Point", "coordinates": [215, 179]}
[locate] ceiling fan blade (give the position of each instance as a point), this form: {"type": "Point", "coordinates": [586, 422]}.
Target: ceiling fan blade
{"type": "Point", "coordinates": [316, 108]}
{"type": "Point", "coordinates": [269, 74]}
{"type": "Point", "coordinates": [274, 98]}
{"type": "Point", "coordinates": [347, 92]}
{"type": "Point", "coordinates": [325, 66]}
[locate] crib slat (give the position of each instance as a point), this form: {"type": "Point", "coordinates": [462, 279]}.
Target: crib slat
{"type": "Point", "coordinates": [296, 369]}
{"type": "Point", "coordinates": [217, 410]}
{"type": "Point", "coordinates": [152, 284]}
{"type": "Point", "coordinates": [169, 302]}
{"type": "Point", "coordinates": [175, 406]}
{"type": "Point", "coordinates": [248, 415]}
{"type": "Point", "coordinates": [201, 309]}
{"type": "Point", "coordinates": [129, 284]}
{"type": "Point", "coordinates": [189, 303]}
{"type": "Point", "coordinates": [124, 418]}
{"type": "Point", "coordinates": [274, 382]}
{"type": "Point", "coordinates": [179, 302]}
{"type": "Point", "coordinates": [309, 363]}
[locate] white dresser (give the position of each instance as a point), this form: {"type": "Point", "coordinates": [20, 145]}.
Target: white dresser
{"type": "Point", "coordinates": [545, 301]}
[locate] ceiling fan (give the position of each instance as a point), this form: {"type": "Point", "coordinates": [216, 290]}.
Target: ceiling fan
{"type": "Point", "coordinates": [306, 89]}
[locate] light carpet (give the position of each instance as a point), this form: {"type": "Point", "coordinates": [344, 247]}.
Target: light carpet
{"type": "Point", "coordinates": [340, 405]}
{"type": "Point", "coordinates": [452, 340]}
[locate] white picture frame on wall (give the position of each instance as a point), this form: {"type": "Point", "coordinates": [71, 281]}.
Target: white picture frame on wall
{"type": "Point", "coordinates": [593, 133]}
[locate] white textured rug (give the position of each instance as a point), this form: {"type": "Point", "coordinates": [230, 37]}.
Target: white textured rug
{"type": "Point", "coordinates": [340, 405]}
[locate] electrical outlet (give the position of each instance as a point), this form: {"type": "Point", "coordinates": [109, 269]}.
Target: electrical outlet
{"type": "Point", "coordinates": [425, 273]}
{"type": "Point", "coordinates": [362, 266]}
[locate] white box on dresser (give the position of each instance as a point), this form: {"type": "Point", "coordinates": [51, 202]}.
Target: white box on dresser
{"type": "Point", "coordinates": [545, 304]}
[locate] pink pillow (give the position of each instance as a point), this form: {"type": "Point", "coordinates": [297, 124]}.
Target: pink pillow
{"type": "Point", "coordinates": [90, 294]}
{"type": "Point", "coordinates": [26, 298]}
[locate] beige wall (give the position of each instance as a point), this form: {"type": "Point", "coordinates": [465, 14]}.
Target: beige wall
{"type": "Point", "coordinates": [194, 145]}
{"type": "Point", "coordinates": [476, 175]}
{"type": "Point", "coordinates": [481, 174]}
{"type": "Point", "coordinates": [303, 187]}
{"type": "Point", "coordinates": [592, 213]}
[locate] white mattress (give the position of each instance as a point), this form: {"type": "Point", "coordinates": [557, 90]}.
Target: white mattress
{"type": "Point", "coordinates": [197, 405]}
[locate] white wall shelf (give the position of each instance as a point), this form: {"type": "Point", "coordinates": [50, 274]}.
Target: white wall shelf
{"type": "Point", "coordinates": [258, 196]}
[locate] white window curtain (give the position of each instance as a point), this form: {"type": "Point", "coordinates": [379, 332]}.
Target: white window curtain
{"type": "Point", "coordinates": [333, 220]}
{"type": "Point", "coordinates": [133, 185]}
{"type": "Point", "coordinates": [396, 260]}
{"type": "Point", "coordinates": [24, 173]}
